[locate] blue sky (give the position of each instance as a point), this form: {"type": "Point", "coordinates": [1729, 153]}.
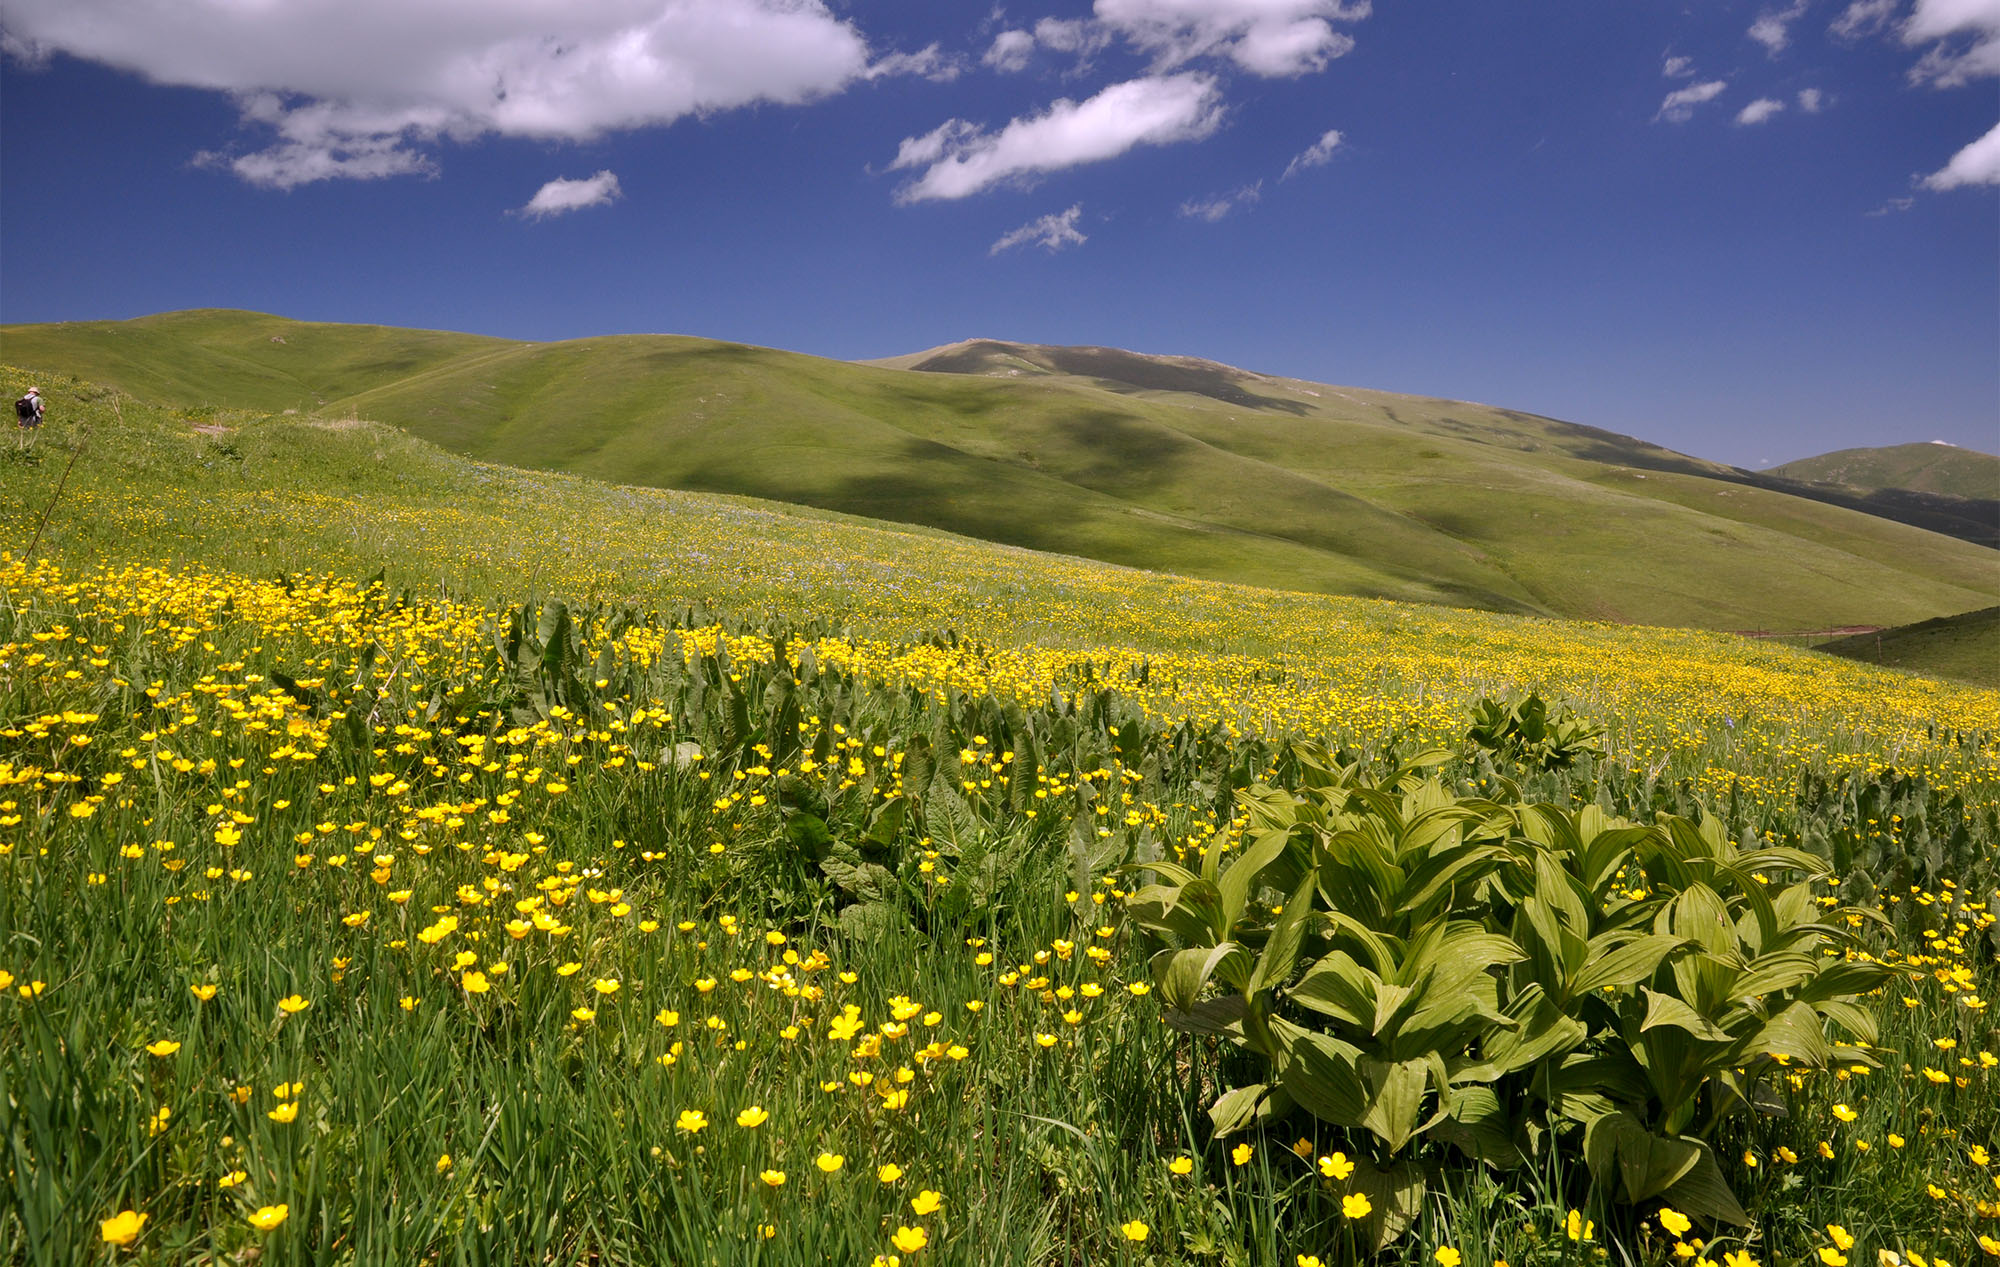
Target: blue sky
{"type": "Point", "coordinates": [1748, 231]}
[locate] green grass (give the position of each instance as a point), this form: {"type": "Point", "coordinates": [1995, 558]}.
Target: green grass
{"type": "Point", "coordinates": [1965, 647]}
{"type": "Point", "coordinates": [1924, 468]}
{"type": "Point", "coordinates": [199, 566]}
{"type": "Point", "coordinates": [1171, 465]}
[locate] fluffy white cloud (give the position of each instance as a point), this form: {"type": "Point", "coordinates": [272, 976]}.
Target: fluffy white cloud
{"type": "Point", "coordinates": [1318, 154]}
{"type": "Point", "coordinates": [1273, 38]}
{"type": "Point", "coordinates": [1773, 27]}
{"type": "Point", "coordinates": [961, 158]}
{"type": "Point", "coordinates": [1010, 50]}
{"type": "Point", "coordinates": [1976, 164]}
{"type": "Point", "coordinates": [1863, 18]}
{"type": "Point", "coordinates": [1080, 36]}
{"type": "Point", "coordinates": [1811, 100]}
{"type": "Point", "coordinates": [357, 88]}
{"type": "Point", "coordinates": [1053, 231]}
{"type": "Point", "coordinates": [561, 196]}
{"type": "Point", "coordinates": [1759, 110]}
{"type": "Point", "coordinates": [1679, 104]}
{"type": "Point", "coordinates": [1677, 67]}
{"type": "Point", "coordinates": [1965, 41]}
{"type": "Point", "coordinates": [1215, 208]}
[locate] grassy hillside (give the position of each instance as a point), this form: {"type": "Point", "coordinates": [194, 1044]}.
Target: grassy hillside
{"type": "Point", "coordinates": [1965, 646]}
{"type": "Point", "coordinates": [1923, 468]}
{"type": "Point", "coordinates": [1172, 464]}
{"type": "Point", "coordinates": [766, 905]}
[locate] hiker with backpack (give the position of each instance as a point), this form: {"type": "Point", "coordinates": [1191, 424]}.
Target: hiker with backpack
{"type": "Point", "coordinates": [28, 410]}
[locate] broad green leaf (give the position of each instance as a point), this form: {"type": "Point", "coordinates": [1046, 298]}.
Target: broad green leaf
{"type": "Point", "coordinates": [1318, 1072]}
{"type": "Point", "coordinates": [1623, 965]}
{"type": "Point", "coordinates": [1281, 953]}
{"type": "Point", "coordinates": [1704, 1193]}
{"type": "Point", "coordinates": [1181, 974]}
{"type": "Point", "coordinates": [1666, 1010]}
{"type": "Point", "coordinates": [1396, 1098]}
{"type": "Point", "coordinates": [1237, 883]}
{"type": "Point", "coordinates": [1237, 1109]}
{"type": "Point", "coordinates": [1619, 1148]}
{"type": "Point", "coordinates": [1338, 987]}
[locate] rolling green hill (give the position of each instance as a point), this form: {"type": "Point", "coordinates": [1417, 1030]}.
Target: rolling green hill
{"type": "Point", "coordinates": [1944, 469]}
{"type": "Point", "coordinates": [1965, 646]}
{"type": "Point", "coordinates": [1167, 463]}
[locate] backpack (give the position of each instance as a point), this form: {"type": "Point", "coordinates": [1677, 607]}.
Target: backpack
{"type": "Point", "coordinates": [24, 409]}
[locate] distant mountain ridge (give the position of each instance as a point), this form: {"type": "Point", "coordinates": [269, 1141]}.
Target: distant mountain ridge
{"type": "Point", "coordinates": [1934, 467]}
{"type": "Point", "coordinates": [1171, 463]}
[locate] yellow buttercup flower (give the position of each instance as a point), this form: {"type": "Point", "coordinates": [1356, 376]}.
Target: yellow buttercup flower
{"type": "Point", "coordinates": [1242, 1153]}
{"type": "Point", "coordinates": [269, 1216]}
{"type": "Point", "coordinates": [889, 1172]}
{"type": "Point", "coordinates": [1674, 1221]}
{"type": "Point", "coordinates": [1336, 1166]}
{"type": "Point", "coordinates": [910, 1239]}
{"type": "Point", "coordinates": [294, 1003]}
{"type": "Point", "coordinates": [752, 1117]}
{"type": "Point", "coordinates": [829, 1162]}
{"type": "Point", "coordinates": [164, 1047]}
{"type": "Point", "coordinates": [122, 1228]}
{"type": "Point", "coordinates": [1135, 1231]}
{"type": "Point", "coordinates": [1181, 1165]}
{"type": "Point", "coordinates": [1355, 1205]}
{"type": "Point", "coordinates": [1448, 1257]}
{"type": "Point", "coordinates": [285, 1112]}
{"type": "Point", "coordinates": [773, 1178]}
{"type": "Point", "coordinates": [927, 1202]}
{"type": "Point", "coordinates": [691, 1120]}
{"type": "Point", "coordinates": [204, 992]}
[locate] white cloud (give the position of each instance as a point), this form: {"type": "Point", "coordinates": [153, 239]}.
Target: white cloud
{"type": "Point", "coordinates": [1965, 41]}
{"type": "Point", "coordinates": [961, 158]}
{"type": "Point", "coordinates": [1215, 208]}
{"type": "Point", "coordinates": [1053, 231]}
{"type": "Point", "coordinates": [1677, 67]}
{"type": "Point", "coordinates": [361, 88]}
{"type": "Point", "coordinates": [1773, 27]}
{"type": "Point", "coordinates": [1010, 51]}
{"type": "Point", "coordinates": [930, 62]}
{"type": "Point", "coordinates": [1976, 164]}
{"type": "Point", "coordinates": [1318, 154]}
{"type": "Point", "coordinates": [1273, 38]}
{"type": "Point", "coordinates": [1679, 105]}
{"type": "Point", "coordinates": [561, 196]}
{"type": "Point", "coordinates": [1863, 18]}
{"type": "Point", "coordinates": [1811, 100]}
{"type": "Point", "coordinates": [1072, 35]}
{"type": "Point", "coordinates": [1759, 110]}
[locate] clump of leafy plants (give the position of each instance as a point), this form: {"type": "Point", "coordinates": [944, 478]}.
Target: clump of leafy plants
{"type": "Point", "coordinates": [1526, 731]}
{"type": "Point", "coordinates": [1507, 980]}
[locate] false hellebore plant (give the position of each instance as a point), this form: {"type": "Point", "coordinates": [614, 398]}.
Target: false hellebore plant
{"type": "Point", "coordinates": [1510, 979]}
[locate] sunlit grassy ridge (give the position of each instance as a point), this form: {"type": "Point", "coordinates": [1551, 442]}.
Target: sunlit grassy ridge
{"type": "Point", "coordinates": [283, 493]}
{"type": "Point", "coordinates": [1923, 468]}
{"type": "Point", "coordinates": [1965, 647]}
{"type": "Point", "coordinates": [334, 928]}
{"type": "Point", "coordinates": [1152, 462]}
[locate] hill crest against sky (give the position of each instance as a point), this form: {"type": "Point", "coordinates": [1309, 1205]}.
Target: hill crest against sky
{"type": "Point", "coordinates": [1167, 463]}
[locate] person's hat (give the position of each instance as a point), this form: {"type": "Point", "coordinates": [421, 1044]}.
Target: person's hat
{"type": "Point", "coordinates": [34, 391]}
